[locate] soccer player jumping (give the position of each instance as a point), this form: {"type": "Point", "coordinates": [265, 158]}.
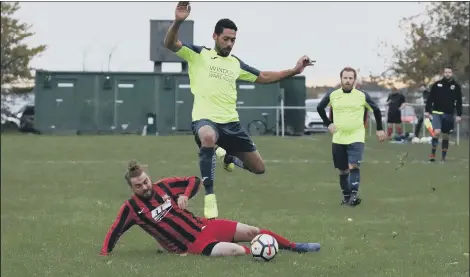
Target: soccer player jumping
{"type": "Point", "coordinates": [213, 74]}
{"type": "Point", "coordinates": [445, 96]}
{"type": "Point", "coordinates": [347, 126]}
{"type": "Point", "coordinates": [160, 210]}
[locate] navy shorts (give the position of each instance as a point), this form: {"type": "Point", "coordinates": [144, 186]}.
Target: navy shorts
{"type": "Point", "coordinates": [443, 122]}
{"type": "Point", "coordinates": [230, 136]}
{"type": "Point", "coordinates": [345, 154]}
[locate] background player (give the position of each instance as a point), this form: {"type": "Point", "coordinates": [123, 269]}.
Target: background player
{"type": "Point", "coordinates": [395, 102]}
{"type": "Point", "coordinates": [348, 131]}
{"type": "Point", "coordinates": [213, 74]}
{"type": "Point", "coordinates": [160, 210]}
{"type": "Point", "coordinates": [445, 96]}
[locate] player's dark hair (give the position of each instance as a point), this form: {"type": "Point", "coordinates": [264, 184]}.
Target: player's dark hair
{"type": "Point", "coordinates": [348, 69]}
{"type": "Point", "coordinates": [448, 67]}
{"type": "Point", "coordinates": [133, 170]}
{"type": "Point", "coordinates": [224, 23]}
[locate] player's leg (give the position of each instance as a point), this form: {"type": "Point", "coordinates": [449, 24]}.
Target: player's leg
{"type": "Point", "coordinates": [447, 127]}
{"type": "Point", "coordinates": [206, 133]}
{"type": "Point", "coordinates": [252, 161]}
{"type": "Point", "coordinates": [241, 149]}
{"type": "Point", "coordinates": [355, 155]}
{"type": "Point", "coordinates": [419, 125]}
{"type": "Point", "coordinates": [390, 120]}
{"type": "Point", "coordinates": [340, 162]}
{"type": "Point", "coordinates": [398, 123]}
{"type": "Point", "coordinates": [228, 160]}
{"type": "Point", "coordinates": [436, 125]}
{"type": "Point", "coordinates": [246, 233]}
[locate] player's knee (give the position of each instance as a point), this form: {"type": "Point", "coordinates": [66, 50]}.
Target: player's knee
{"type": "Point", "coordinates": [445, 136]}
{"type": "Point", "coordinates": [258, 170]}
{"type": "Point", "coordinates": [237, 250]}
{"type": "Point", "coordinates": [437, 132]}
{"type": "Point", "coordinates": [252, 232]}
{"type": "Point", "coordinates": [207, 137]}
{"type": "Point", "coordinates": [228, 249]}
{"type": "Point", "coordinates": [353, 166]}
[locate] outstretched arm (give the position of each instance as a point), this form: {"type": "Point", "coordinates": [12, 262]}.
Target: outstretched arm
{"type": "Point", "coordinates": [121, 224]}
{"type": "Point", "coordinates": [267, 77]}
{"type": "Point", "coordinates": [250, 74]}
{"type": "Point", "coordinates": [171, 39]}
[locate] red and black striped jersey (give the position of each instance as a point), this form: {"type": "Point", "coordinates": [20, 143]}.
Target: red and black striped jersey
{"type": "Point", "coordinates": [160, 216]}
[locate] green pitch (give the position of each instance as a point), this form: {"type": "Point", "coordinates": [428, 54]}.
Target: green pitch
{"type": "Point", "coordinates": [60, 195]}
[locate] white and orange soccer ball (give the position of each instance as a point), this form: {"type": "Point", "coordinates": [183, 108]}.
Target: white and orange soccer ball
{"type": "Point", "coordinates": [264, 247]}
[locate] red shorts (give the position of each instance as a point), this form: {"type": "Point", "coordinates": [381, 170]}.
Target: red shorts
{"type": "Point", "coordinates": [217, 230]}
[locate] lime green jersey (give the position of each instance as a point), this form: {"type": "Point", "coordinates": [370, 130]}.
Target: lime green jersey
{"type": "Point", "coordinates": [348, 111]}
{"type": "Point", "coordinates": [213, 82]}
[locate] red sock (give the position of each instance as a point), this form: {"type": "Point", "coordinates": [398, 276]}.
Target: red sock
{"type": "Point", "coordinates": [283, 242]}
{"type": "Point", "coordinates": [399, 130]}
{"type": "Point", "coordinates": [247, 249]}
{"type": "Point", "coordinates": [389, 131]}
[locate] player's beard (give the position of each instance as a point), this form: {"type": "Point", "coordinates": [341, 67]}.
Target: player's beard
{"type": "Point", "coordinates": [347, 86]}
{"type": "Point", "coordinates": [146, 194]}
{"type": "Point", "coordinates": [224, 52]}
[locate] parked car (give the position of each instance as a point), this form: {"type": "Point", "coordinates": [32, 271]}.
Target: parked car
{"type": "Point", "coordinates": [23, 120]}
{"type": "Point", "coordinates": [27, 119]}
{"type": "Point", "coordinates": [313, 121]}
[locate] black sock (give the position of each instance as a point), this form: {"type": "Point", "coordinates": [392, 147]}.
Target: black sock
{"type": "Point", "coordinates": [445, 146]}
{"type": "Point", "coordinates": [354, 179]}
{"type": "Point", "coordinates": [232, 159]}
{"type": "Point", "coordinates": [207, 166]}
{"type": "Point", "coordinates": [344, 184]}
{"type": "Point", "coordinates": [434, 143]}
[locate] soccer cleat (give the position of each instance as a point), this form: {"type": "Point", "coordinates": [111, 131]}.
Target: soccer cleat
{"type": "Point", "coordinates": [210, 206]}
{"type": "Point", "coordinates": [354, 201]}
{"type": "Point", "coordinates": [432, 158]}
{"type": "Point", "coordinates": [306, 247]}
{"type": "Point", "coordinates": [220, 153]}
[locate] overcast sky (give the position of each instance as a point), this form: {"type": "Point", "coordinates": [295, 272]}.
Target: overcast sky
{"type": "Point", "coordinates": [271, 36]}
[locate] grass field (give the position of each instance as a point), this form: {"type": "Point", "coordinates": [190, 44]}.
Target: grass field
{"type": "Point", "coordinates": [60, 195]}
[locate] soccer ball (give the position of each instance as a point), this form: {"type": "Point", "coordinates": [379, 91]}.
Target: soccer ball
{"type": "Point", "coordinates": [415, 140]}
{"type": "Point", "coordinates": [264, 247]}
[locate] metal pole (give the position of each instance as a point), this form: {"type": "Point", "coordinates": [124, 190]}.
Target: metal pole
{"type": "Point", "coordinates": [277, 122]}
{"type": "Point", "coordinates": [422, 125]}
{"type": "Point", "coordinates": [458, 133]}
{"type": "Point", "coordinates": [282, 117]}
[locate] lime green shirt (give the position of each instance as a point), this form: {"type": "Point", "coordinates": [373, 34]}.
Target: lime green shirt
{"type": "Point", "coordinates": [349, 113]}
{"type": "Point", "coordinates": [213, 82]}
